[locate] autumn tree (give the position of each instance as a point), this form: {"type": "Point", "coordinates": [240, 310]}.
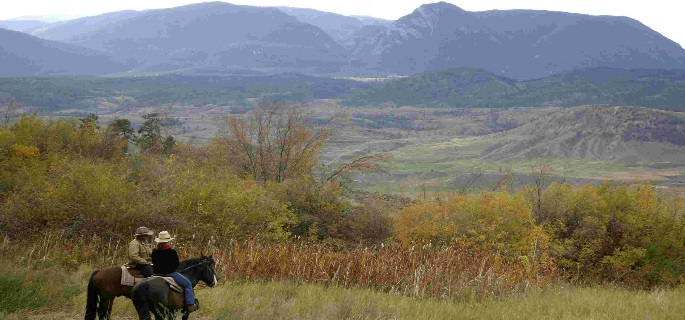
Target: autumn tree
{"type": "Point", "coordinates": [9, 112]}
{"type": "Point", "coordinates": [274, 142]}
{"type": "Point", "coordinates": [364, 163]}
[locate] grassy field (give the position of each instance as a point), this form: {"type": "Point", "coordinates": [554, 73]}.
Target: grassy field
{"type": "Point", "coordinates": [444, 165]}
{"type": "Point", "coordinates": [285, 300]}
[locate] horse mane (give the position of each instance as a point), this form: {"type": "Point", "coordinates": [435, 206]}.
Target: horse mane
{"type": "Point", "coordinates": [189, 262]}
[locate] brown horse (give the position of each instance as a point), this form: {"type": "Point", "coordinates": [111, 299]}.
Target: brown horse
{"type": "Point", "coordinates": [105, 285]}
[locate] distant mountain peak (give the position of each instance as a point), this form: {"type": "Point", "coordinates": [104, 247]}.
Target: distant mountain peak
{"type": "Point", "coordinates": [435, 11]}
{"type": "Point", "coordinates": [522, 44]}
{"type": "Point", "coordinates": [442, 6]}
{"type": "Point", "coordinates": [427, 19]}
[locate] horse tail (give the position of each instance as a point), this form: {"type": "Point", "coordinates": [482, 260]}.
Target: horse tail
{"type": "Point", "coordinates": [92, 300]}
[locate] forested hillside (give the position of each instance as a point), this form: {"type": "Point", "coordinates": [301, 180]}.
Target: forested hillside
{"type": "Point", "coordinates": [473, 88]}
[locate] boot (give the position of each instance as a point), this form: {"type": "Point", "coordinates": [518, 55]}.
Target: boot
{"type": "Point", "coordinates": [190, 308]}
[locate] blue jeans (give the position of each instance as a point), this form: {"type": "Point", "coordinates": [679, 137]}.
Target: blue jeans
{"type": "Point", "coordinates": [188, 294]}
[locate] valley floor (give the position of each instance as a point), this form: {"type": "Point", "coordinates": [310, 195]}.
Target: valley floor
{"type": "Point", "coordinates": [279, 300]}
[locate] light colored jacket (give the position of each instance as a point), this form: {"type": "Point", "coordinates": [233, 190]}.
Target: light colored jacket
{"type": "Point", "coordinates": [139, 253]}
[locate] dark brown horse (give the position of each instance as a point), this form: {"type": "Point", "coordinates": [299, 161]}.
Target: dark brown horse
{"type": "Point", "coordinates": [105, 285]}
{"type": "Point", "coordinates": [154, 295]}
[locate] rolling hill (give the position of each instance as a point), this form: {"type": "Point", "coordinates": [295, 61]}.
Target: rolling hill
{"type": "Point", "coordinates": [84, 94]}
{"type": "Point", "coordinates": [25, 55]}
{"type": "Point", "coordinates": [620, 134]}
{"type": "Point", "coordinates": [522, 44]}
{"type": "Point", "coordinates": [473, 88]}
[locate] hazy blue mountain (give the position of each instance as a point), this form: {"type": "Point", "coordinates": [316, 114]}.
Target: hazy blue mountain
{"type": "Point", "coordinates": [339, 27]}
{"type": "Point", "coordinates": [517, 43]}
{"type": "Point", "coordinates": [48, 18]}
{"type": "Point", "coordinates": [220, 38]}
{"type": "Point", "coordinates": [373, 21]}
{"type": "Point", "coordinates": [65, 30]}
{"type": "Point", "coordinates": [22, 25]}
{"type": "Point", "coordinates": [217, 34]}
{"type": "Point", "coordinates": [22, 55]}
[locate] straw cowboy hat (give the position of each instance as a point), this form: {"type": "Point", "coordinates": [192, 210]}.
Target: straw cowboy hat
{"type": "Point", "coordinates": [143, 231]}
{"type": "Point", "coordinates": [164, 237]}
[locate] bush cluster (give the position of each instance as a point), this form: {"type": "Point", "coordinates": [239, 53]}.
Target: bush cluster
{"type": "Point", "coordinates": [622, 233]}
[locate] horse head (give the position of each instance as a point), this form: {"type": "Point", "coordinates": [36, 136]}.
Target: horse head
{"type": "Point", "coordinates": [207, 272]}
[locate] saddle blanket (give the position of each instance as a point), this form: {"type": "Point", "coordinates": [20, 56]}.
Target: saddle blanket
{"type": "Point", "coordinates": [127, 279]}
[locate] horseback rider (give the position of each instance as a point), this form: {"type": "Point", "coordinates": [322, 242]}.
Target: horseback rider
{"type": "Point", "coordinates": [165, 261]}
{"type": "Point", "coordinates": [139, 251]}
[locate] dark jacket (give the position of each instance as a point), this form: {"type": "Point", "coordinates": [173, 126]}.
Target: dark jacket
{"type": "Point", "coordinates": [164, 261]}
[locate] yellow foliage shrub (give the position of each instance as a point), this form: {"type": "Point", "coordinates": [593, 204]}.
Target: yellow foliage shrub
{"type": "Point", "coordinates": [487, 221]}
{"type": "Point", "coordinates": [21, 151]}
{"type": "Point", "coordinates": [616, 232]}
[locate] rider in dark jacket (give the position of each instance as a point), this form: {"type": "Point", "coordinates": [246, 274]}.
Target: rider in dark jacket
{"type": "Point", "coordinates": [165, 262]}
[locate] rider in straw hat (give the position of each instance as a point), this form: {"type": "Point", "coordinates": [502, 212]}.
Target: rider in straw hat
{"type": "Point", "coordinates": [139, 251]}
{"type": "Point", "coordinates": [165, 261]}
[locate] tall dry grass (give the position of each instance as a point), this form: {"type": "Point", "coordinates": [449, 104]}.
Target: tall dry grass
{"type": "Point", "coordinates": [448, 272]}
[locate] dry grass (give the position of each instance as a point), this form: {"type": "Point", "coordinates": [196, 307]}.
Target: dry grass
{"type": "Point", "coordinates": [313, 282]}
{"type": "Point", "coordinates": [287, 300]}
{"type": "Point", "coordinates": [446, 273]}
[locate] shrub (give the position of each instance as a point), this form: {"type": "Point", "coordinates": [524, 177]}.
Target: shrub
{"type": "Point", "coordinates": [615, 232]}
{"type": "Point", "coordinates": [486, 221]}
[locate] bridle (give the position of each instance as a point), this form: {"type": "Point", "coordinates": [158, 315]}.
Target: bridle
{"type": "Point", "coordinates": [199, 264]}
{"type": "Point", "coordinates": [195, 265]}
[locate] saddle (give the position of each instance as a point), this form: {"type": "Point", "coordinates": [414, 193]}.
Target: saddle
{"type": "Point", "coordinates": [172, 283]}
{"type": "Point", "coordinates": [130, 277]}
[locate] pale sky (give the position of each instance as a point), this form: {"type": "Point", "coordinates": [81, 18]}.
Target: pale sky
{"type": "Point", "coordinates": [664, 16]}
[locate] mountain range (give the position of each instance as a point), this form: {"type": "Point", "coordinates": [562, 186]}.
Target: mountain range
{"type": "Point", "coordinates": [31, 55]}
{"type": "Point", "coordinates": [218, 37]}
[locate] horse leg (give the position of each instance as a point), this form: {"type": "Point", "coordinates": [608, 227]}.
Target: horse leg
{"type": "Point", "coordinates": [143, 311]}
{"type": "Point", "coordinates": [109, 309]}
{"type": "Point", "coordinates": [103, 307]}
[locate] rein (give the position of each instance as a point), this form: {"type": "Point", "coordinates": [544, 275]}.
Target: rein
{"type": "Point", "coordinates": [193, 266]}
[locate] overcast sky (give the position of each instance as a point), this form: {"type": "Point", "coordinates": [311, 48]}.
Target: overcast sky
{"type": "Point", "coordinates": [664, 16]}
